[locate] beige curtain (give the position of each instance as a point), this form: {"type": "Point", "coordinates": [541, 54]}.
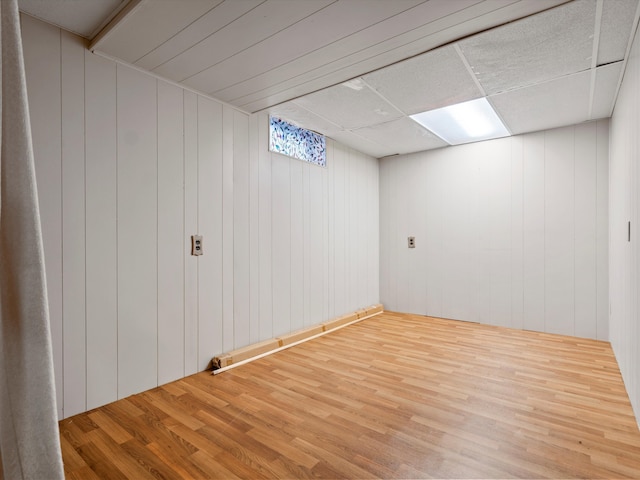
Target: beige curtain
{"type": "Point", "coordinates": [29, 441]}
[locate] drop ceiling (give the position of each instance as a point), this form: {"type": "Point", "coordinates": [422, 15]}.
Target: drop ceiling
{"type": "Point", "coordinates": [355, 70]}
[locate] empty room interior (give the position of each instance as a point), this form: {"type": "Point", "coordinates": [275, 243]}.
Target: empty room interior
{"type": "Point", "coordinates": [275, 249]}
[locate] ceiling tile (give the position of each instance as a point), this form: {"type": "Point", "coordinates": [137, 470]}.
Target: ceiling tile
{"type": "Point", "coordinates": [615, 28]}
{"type": "Point", "coordinates": [429, 81]}
{"type": "Point", "coordinates": [363, 145]}
{"type": "Point", "coordinates": [300, 116]}
{"type": "Point", "coordinates": [557, 103]}
{"type": "Point", "coordinates": [403, 135]}
{"type": "Point", "coordinates": [350, 105]}
{"type": "Point", "coordinates": [607, 78]}
{"type": "Point", "coordinates": [423, 28]}
{"type": "Point", "coordinates": [538, 48]}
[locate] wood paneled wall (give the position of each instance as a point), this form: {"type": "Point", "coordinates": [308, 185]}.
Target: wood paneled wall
{"type": "Point", "coordinates": [509, 232]}
{"type": "Point", "coordinates": [128, 168]}
{"type": "Point", "coordinates": [625, 207]}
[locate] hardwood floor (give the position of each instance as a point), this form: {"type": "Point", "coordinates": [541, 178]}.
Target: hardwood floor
{"type": "Point", "coordinates": [394, 396]}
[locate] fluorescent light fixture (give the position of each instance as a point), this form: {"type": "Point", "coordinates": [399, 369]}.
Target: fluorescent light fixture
{"type": "Point", "coordinates": [465, 122]}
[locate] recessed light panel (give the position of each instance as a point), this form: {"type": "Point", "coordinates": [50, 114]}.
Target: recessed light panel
{"type": "Point", "coordinates": [465, 122]}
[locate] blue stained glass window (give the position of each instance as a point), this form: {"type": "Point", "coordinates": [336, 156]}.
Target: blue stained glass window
{"type": "Point", "coordinates": [296, 142]}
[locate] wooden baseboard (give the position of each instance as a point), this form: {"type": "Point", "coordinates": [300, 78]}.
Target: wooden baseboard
{"type": "Point", "coordinates": [260, 349]}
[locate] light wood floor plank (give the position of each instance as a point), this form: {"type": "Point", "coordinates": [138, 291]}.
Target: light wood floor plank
{"type": "Point", "coordinates": [394, 396]}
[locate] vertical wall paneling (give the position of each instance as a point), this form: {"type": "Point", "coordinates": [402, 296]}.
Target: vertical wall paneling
{"type": "Point", "coordinates": [619, 268]}
{"type": "Point", "coordinates": [534, 232]}
{"type": "Point", "coordinates": [129, 167]}
{"type": "Point", "coordinates": [363, 174]}
{"type": "Point", "coordinates": [602, 231]}
{"type": "Point", "coordinates": [356, 182]}
{"type": "Point", "coordinates": [359, 250]}
{"type": "Point", "coordinates": [517, 232]}
{"type": "Point", "coordinates": [630, 289]}
{"type": "Point", "coordinates": [73, 225]}
{"type": "Point", "coordinates": [315, 228]}
{"type": "Point", "coordinates": [281, 243]}
{"type": "Point", "coordinates": [500, 236]}
{"type": "Point", "coordinates": [228, 330]}
{"type": "Point", "coordinates": [495, 232]}
{"type": "Point", "coordinates": [372, 207]}
{"type": "Point", "coordinates": [101, 231]}
{"type": "Point", "coordinates": [265, 229]}
{"type": "Point", "coordinates": [43, 71]}
{"type": "Point", "coordinates": [398, 238]}
{"type": "Point", "coordinates": [170, 211]}
{"type": "Point", "coordinates": [433, 241]}
{"type": "Point", "coordinates": [308, 248]}
{"type": "Point", "coordinates": [339, 206]}
{"type": "Point", "coordinates": [297, 244]}
{"type": "Point", "coordinates": [415, 258]}
{"type": "Point", "coordinates": [488, 190]}
{"type": "Point", "coordinates": [623, 257]}
{"type": "Point", "coordinates": [460, 237]}
{"type": "Point", "coordinates": [350, 158]}
{"type": "Point", "coordinates": [559, 231]}
{"type": "Point", "coordinates": [210, 225]}
{"type": "Point", "coordinates": [190, 218]}
{"type": "Point", "coordinates": [632, 257]}
{"type": "Point", "coordinates": [137, 231]}
{"type": "Point", "coordinates": [331, 229]}
{"type": "Point", "coordinates": [510, 225]}
{"type": "Point", "coordinates": [254, 228]}
{"type": "Point", "coordinates": [324, 227]}
{"type": "Point", "coordinates": [387, 223]}
{"type": "Point", "coordinates": [241, 254]}
{"type": "Point", "coordinates": [585, 238]}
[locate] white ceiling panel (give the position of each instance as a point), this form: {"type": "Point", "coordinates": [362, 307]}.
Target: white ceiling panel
{"type": "Point", "coordinates": [201, 28]}
{"type": "Point", "coordinates": [413, 25]}
{"type": "Point", "coordinates": [351, 105]}
{"type": "Point", "coordinates": [606, 86]}
{"type": "Point", "coordinates": [255, 54]}
{"type": "Point", "coordinates": [78, 16]}
{"type": "Point", "coordinates": [548, 45]}
{"type": "Point", "coordinates": [154, 22]}
{"type": "Point", "coordinates": [405, 134]}
{"type": "Point", "coordinates": [257, 25]}
{"type": "Point", "coordinates": [559, 102]}
{"type": "Point", "coordinates": [363, 145]}
{"type": "Point", "coordinates": [428, 81]}
{"type": "Point", "coordinates": [301, 116]}
{"type": "Point", "coordinates": [617, 21]}
{"type": "Point", "coordinates": [339, 20]}
{"type": "Point", "coordinates": [264, 90]}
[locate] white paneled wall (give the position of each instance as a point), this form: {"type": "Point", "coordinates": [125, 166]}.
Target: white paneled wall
{"type": "Point", "coordinates": [624, 207]}
{"type": "Point", "coordinates": [128, 168]}
{"type": "Point", "coordinates": [509, 232]}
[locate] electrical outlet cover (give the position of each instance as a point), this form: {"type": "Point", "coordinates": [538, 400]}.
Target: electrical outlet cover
{"type": "Point", "coordinates": [196, 245]}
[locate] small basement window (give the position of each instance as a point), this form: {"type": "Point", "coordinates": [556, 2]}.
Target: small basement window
{"type": "Point", "coordinates": [297, 142]}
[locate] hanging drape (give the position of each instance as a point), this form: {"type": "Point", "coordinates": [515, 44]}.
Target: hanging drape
{"type": "Point", "coordinates": [29, 441]}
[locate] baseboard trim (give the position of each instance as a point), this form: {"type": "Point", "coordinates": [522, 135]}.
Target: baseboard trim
{"type": "Point", "coordinates": [243, 355]}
